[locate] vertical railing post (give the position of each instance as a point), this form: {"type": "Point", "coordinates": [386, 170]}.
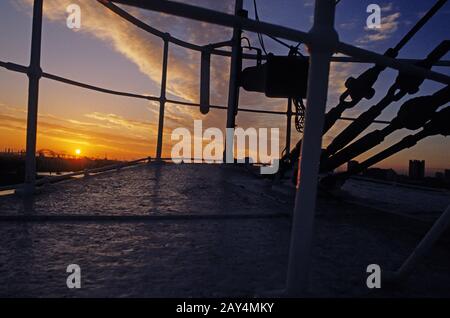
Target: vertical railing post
{"type": "Point", "coordinates": [233, 90]}
{"type": "Point", "coordinates": [324, 41]}
{"type": "Point", "coordinates": [162, 98]}
{"type": "Point", "coordinates": [438, 228]}
{"type": "Point", "coordinates": [34, 74]}
{"type": "Point", "coordinates": [288, 125]}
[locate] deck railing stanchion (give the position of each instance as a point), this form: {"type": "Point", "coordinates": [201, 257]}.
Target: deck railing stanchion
{"type": "Point", "coordinates": [34, 74]}
{"type": "Point", "coordinates": [233, 90]}
{"type": "Point", "coordinates": [324, 40]}
{"type": "Point", "coordinates": [162, 99]}
{"type": "Point", "coordinates": [436, 231]}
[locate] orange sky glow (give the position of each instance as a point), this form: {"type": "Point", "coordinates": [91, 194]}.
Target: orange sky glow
{"type": "Point", "coordinates": [114, 54]}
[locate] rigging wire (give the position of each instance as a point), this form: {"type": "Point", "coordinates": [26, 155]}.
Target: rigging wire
{"type": "Point", "coordinates": [261, 36]}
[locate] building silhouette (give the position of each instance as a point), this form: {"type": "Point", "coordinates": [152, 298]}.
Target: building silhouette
{"type": "Point", "coordinates": [417, 169]}
{"type": "Point", "coordinates": [447, 174]}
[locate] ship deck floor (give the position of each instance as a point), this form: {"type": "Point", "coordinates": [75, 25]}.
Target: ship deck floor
{"type": "Point", "coordinates": [199, 231]}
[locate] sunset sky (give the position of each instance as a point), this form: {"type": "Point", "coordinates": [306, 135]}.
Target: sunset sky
{"type": "Point", "coordinates": [112, 53]}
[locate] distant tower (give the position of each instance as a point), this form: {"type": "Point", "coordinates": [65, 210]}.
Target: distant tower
{"type": "Point", "coordinates": [417, 169]}
{"type": "Point", "coordinates": [447, 174]}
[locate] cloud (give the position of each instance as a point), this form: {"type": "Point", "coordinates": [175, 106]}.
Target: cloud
{"type": "Point", "coordinates": [389, 25]}
{"type": "Point", "coordinates": [64, 133]}
{"type": "Point", "coordinates": [387, 7]}
{"type": "Point", "coordinates": [348, 25]}
{"type": "Point", "coordinates": [119, 121]}
{"type": "Point", "coordinates": [308, 3]}
{"type": "Point", "coordinates": [145, 51]}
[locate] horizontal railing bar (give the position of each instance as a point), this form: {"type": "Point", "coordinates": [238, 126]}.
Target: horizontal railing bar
{"type": "Point", "coordinates": [57, 78]}
{"type": "Point", "coordinates": [374, 122]}
{"type": "Point", "coordinates": [247, 110]}
{"type": "Point", "coordinates": [97, 88]}
{"type": "Point", "coordinates": [260, 111]}
{"type": "Point", "coordinates": [224, 107]}
{"type": "Point", "coordinates": [336, 59]}
{"type": "Point", "coordinates": [219, 18]}
{"type": "Point", "coordinates": [219, 44]}
{"type": "Point", "coordinates": [178, 102]}
{"type": "Point", "coordinates": [14, 67]}
{"type": "Point", "coordinates": [23, 69]}
{"type": "Point", "coordinates": [140, 24]}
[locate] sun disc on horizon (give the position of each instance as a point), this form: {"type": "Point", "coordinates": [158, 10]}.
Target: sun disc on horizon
{"type": "Point", "coordinates": [78, 152]}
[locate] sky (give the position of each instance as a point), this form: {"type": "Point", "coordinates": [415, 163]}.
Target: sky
{"type": "Point", "coordinates": [111, 53]}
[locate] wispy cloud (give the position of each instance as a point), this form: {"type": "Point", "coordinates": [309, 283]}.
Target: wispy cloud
{"type": "Point", "coordinates": [348, 25]}
{"type": "Point", "coordinates": [389, 25]}
{"type": "Point", "coordinates": [144, 50]}
{"type": "Point", "coordinates": [64, 133]}
{"type": "Point", "coordinates": [387, 7]}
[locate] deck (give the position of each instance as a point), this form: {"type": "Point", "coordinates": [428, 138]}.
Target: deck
{"type": "Point", "coordinates": [198, 231]}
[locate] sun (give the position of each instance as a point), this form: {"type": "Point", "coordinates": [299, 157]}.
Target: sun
{"type": "Point", "coordinates": [78, 152]}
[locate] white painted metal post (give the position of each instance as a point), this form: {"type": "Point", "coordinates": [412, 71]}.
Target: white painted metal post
{"type": "Point", "coordinates": [162, 98]}
{"type": "Point", "coordinates": [233, 90]}
{"type": "Point", "coordinates": [324, 40]}
{"type": "Point", "coordinates": [436, 231]}
{"type": "Point", "coordinates": [34, 75]}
